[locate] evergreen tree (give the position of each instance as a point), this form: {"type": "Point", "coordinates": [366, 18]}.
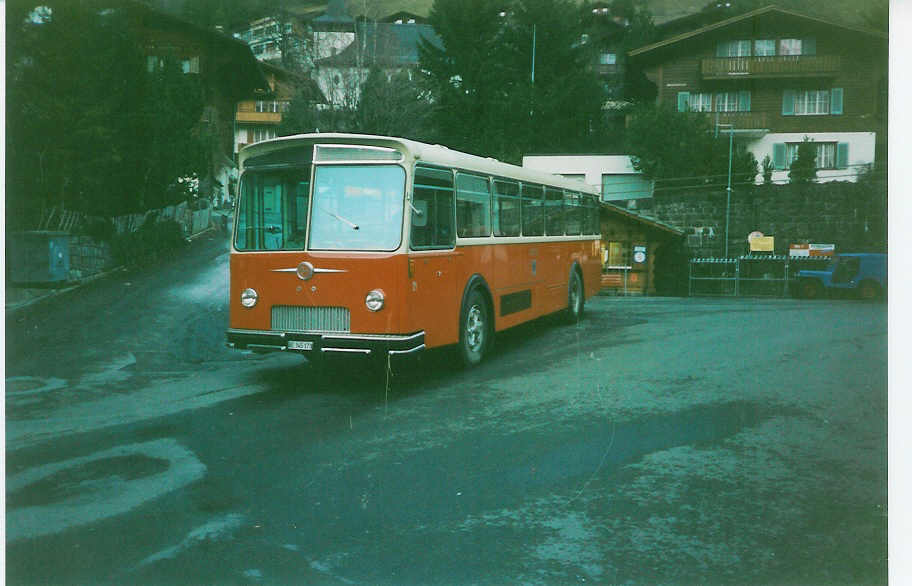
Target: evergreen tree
{"type": "Point", "coordinates": [89, 128]}
{"type": "Point", "coordinates": [804, 168]}
{"type": "Point", "coordinates": [394, 105]}
{"type": "Point", "coordinates": [682, 149]}
{"type": "Point", "coordinates": [480, 81]}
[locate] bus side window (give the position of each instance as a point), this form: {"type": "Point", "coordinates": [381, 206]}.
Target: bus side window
{"type": "Point", "coordinates": [506, 208]}
{"type": "Point", "coordinates": [433, 197]}
{"type": "Point", "coordinates": [572, 212]}
{"type": "Point", "coordinates": [554, 219]}
{"type": "Point", "coordinates": [473, 206]}
{"type": "Point", "coordinates": [592, 216]}
{"type": "Point", "coordinates": [533, 219]}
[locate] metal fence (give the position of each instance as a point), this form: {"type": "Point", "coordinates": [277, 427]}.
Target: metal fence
{"type": "Point", "coordinates": [192, 221]}
{"type": "Point", "coordinates": [748, 276]}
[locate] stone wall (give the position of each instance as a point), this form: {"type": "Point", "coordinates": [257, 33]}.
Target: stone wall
{"type": "Point", "coordinates": [850, 215]}
{"type": "Point", "coordinates": [88, 257]}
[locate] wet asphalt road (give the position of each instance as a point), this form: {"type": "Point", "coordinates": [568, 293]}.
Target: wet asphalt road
{"type": "Point", "coordinates": [660, 441]}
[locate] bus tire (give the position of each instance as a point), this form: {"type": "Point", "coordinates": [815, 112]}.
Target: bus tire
{"type": "Point", "coordinates": [475, 329]}
{"type": "Point", "coordinates": [576, 298]}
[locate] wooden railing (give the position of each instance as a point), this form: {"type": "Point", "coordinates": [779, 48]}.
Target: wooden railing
{"type": "Point", "coordinates": [273, 117]}
{"type": "Point", "coordinates": [740, 120]}
{"type": "Point", "coordinates": [776, 66]}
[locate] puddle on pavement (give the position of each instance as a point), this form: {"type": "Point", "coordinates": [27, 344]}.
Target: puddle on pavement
{"type": "Point", "coordinates": [70, 482]}
{"type": "Point", "coordinates": [610, 445]}
{"type": "Point", "coordinates": [457, 478]}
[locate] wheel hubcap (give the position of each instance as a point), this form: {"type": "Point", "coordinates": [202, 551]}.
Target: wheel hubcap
{"type": "Point", "coordinates": [474, 333]}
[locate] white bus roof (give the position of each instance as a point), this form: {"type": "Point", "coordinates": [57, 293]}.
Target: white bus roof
{"type": "Point", "coordinates": [432, 154]}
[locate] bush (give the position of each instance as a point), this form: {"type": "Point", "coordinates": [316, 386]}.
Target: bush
{"type": "Point", "coordinates": [152, 241]}
{"type": "Point", "coordinates": [99, 229]}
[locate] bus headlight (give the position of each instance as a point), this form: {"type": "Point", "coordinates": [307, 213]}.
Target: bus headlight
{"type": "Point", "coordinates": [249, 298]}
{"type": "Point", "coordinates": [374, 300]}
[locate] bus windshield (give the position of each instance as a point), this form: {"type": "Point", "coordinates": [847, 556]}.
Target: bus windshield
{"type": "Point", "coordinates": [272, 212]}
{"type": "Point", "coordinates": [357, 207]}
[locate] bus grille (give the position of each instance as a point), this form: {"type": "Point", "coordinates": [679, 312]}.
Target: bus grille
{"type": "Point", "coordinates": [309, 319]}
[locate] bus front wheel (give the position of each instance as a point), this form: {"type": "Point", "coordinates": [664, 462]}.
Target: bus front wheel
{"type": "Point", "coordinates": [474, 329]}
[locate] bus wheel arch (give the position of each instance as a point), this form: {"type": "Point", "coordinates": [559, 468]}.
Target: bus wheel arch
{"type": "Point", "coordinates": [476, 322]}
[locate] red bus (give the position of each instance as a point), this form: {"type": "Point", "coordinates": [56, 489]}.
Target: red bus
{"type": "Point", "coordinates": [358, 244]}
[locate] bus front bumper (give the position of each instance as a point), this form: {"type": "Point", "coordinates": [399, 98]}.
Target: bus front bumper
{"type": "Point", "coordinates": [324, 342]}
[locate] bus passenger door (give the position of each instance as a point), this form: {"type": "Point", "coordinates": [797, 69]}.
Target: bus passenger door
{"type": "Point", "coordinates": [432, 296]}
{"type": "Point", "coordinates": [433, 299]}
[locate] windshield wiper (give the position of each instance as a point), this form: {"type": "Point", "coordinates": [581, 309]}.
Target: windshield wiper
{"type": "Point", "coordinates": [340, 218]}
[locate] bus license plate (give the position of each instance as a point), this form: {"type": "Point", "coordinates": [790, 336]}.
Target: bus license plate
{"type": "Point", "coordinates": [300, 345]}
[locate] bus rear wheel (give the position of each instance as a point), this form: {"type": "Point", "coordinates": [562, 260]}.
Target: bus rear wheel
{"type": "Point", "coordinates": [576, 298]}
{"type": "Point", "coordinates": [474, 329]}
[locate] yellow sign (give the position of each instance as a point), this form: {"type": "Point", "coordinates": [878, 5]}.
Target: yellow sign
{"type": "Point", "coordinates": [761, 244]}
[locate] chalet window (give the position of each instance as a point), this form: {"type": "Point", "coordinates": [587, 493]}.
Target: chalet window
{"type": "Point", "coordinates": [268, 106]}
{"type": "Point", "coordinates": [190, 65]}
{"type": "Point", "coordinates": [829, 155]}
{"type": "Point", "coordinates": [261, 134]}
{"type": "Point", "coordinates": [741, 48]}
{"type": "Point", "coordinates": [798, 46]}
{"type": "Point", "coordinates": [608, 58]}
{"type": "Point", "coordinates": [618, 254]}
{"type": "Point", "coordinates": [812, 102]}
{"type": "Point", "coordinates": [733, 101]}
{"type": "Point", "coordinates": [764, 47]}
{"type": "Point", "coordinates": [694, 102]}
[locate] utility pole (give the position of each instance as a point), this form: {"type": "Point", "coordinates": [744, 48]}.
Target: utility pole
{"type": "Point", "coordinates": [728, 190]}
{"type": "Point", "coordinates": [533, 54]}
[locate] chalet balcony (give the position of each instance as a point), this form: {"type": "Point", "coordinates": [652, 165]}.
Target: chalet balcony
{"type": "Point", "coordinates": [259, 117]}
{"type": "Point", "coordinates": [770, 67]}
{"type": "Point", "coordinates": [740, 121]}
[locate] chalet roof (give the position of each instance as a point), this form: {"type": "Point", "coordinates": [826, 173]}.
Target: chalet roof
{"type": "Point", "coordinates": [767, 10]}
{"type": "Point", "coordinates": [384, 44]}
{"type": "Point", "coordinates": [293, 82]}
{"type": "Point", "coordinates": [335, 16]}
{"type": "Point", "coordinates": [646, 220]}
{"type": "Point", "coordinates": [404, 16]}
{"type": "Point", "coordinates": [237, 71]}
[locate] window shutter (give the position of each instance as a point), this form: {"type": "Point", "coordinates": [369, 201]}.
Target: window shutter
{"type": "Point", "coordinates": [788, 102]}
{"type": "Point", "coordinates": [809, 46]}
{"type": "Point", "coordinates": [842, 155]}
{"type": "Point", "coordinates": [683, 101]}
{"type": "Point", "coordinates": [779, 155]}
{"type": "Point", "coordinates": [836, 100]}
{"type": "Point", "coordinates": [744, 101]}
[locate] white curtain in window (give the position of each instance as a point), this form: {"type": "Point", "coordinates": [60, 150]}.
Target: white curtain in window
{"type": "Point", "coordinates": [790, 46]}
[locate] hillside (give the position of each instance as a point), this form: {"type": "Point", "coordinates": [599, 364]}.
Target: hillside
{"type": "Point", "coordinates": [208, 12]}
{"type": "Point", "coordinates": [847, 11]}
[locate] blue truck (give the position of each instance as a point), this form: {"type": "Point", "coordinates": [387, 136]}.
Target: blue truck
{"type": "Point", "coordinates": [863, 275]}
